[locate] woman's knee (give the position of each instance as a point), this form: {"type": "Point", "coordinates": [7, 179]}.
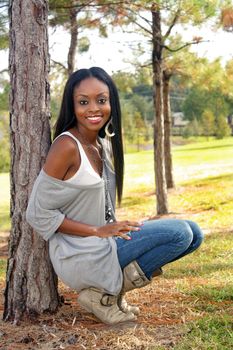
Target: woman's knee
{"type": "Point", "coordinates": [183, 234]}
{"type": "Point", "coordinates": [198, 235]}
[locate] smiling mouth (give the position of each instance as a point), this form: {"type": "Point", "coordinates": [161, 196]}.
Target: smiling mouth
{"type": "Point", "coordinates": [95, 119]}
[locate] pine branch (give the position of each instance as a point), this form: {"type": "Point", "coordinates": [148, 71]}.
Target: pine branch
{"type": "Point", "coordinates": [59, 64]}
{"type": "Point", "coordinates": [6, 70]}
{"type": "Point", "coordinates": [145, 19]}
{"type": "Point", "coordinates": [89, 4]}
{"type": "Point", "coordinates": [138, 24]}
{"type": "Point", "coordinates": [185, 45]}
{"type": "Point", "coordinates": [145, 65]}
{"type": "Point", "coordinates": [172, 24]}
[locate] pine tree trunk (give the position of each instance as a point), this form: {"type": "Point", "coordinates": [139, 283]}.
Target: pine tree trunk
{"type": "Point", "coordinates": [167, 130]}
{"type": "Point", "coordinates": [73, 40]}
{"type": "Point", "coordinates": [31, 286]}
{"type": "Point", "coordinates": [161, 188]}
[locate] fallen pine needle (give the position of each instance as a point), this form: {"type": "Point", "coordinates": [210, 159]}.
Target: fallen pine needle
{"type": "Point", "coordinates": [74, 320]}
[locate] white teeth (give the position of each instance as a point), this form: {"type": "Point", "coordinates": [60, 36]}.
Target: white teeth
{"type": "Point", "coordinates": [93, 118]}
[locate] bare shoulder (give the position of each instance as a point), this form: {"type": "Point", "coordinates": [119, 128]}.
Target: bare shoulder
{"type": "Point", "coordinates": [62, 156]}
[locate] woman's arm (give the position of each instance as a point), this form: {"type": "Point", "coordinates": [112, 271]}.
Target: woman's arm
{"type": "Point", "coordinates": [118, 228]}
{"type": "Point", "coordinates": [62, 162]}
{"type": "Point", "coordinates": [63, 159]}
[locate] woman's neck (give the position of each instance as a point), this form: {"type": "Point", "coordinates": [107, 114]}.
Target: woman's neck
{"type": "Point", "coordinates": [89, 137]}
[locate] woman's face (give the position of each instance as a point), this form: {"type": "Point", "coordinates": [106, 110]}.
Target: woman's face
{"type": "Point", "coordinates": [91, 104]}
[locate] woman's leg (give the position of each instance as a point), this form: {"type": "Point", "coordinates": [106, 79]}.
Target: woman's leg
{"type": "Point", "coordinates": [197, 239]}
{"type": "Point", "coordinates": [157, 243]}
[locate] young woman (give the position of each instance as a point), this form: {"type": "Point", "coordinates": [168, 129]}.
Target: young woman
{"type": "Point", "coordinates": [73, 200]}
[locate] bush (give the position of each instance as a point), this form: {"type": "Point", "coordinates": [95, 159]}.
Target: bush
{"type": "Point", "coordinates": [222, 127]}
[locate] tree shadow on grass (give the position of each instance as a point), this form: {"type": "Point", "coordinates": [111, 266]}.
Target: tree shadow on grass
{"type": "Point", "coordinates": [204, 148]}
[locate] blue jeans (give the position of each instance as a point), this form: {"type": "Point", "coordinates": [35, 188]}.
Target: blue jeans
{"type": "Point", "coordinates": [158, 243]}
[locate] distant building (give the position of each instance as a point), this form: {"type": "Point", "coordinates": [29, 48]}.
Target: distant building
{"type": "Point", "coordinates": [178, 123]}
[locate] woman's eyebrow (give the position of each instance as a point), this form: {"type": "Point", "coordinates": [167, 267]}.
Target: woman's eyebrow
{"type": "Point", "coordinates": [84, 95]}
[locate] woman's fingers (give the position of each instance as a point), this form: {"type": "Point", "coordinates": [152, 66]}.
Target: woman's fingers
{"type": "Point", "coordinates": [132, 223]}
{"type": "Point", "coordinates": [120, 229]}
{"type": "Point", "coordinates": [126, 228]}
{"type": "Point", "coordinates": [124, 236]}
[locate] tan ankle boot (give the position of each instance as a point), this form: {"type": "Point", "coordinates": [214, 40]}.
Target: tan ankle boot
{"type": "Point", "coordinates": [104, 306]}
{"type": "Point", "coordinates": [133, 277]}
{"type": "Point", "coordinates": [125, 307]}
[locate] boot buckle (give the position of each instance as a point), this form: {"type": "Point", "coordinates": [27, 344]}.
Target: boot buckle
{"type": "Point", "coordinates": [139, 282]}
{"type": "Point", "coordinates": [108, 300]}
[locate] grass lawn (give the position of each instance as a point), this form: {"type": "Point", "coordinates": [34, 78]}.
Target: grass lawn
{"type": "Point", "coordinates": [202, 283]}
{"type": "Point", "coordinates": [204, 193]}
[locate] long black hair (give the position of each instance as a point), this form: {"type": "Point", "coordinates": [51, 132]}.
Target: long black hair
{"type": "Point", "coordinates": [67, 120]}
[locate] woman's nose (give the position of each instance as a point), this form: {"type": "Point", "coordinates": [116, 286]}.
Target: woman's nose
{"type": "Point", "coordinates": [93, 106]}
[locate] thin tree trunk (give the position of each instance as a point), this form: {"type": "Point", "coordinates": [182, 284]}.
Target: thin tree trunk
{"type": "Point", "coordinates": [167, 130]}
{"type": "Point", "coordinates": [161, 188]}
{"type": "Point", "coordinates": [73, 40]}
{"type": "Point", "coordinates": [31, 286]}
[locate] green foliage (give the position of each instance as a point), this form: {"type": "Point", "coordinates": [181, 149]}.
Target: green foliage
{"type": "Point", "coordinates": [210, 97]}
{"type": "Point", "coordinates": [4, 41]}
{"type": "Point", "coordinates": [208, 123]}
{"type": "Point", "coordinates": [61, 11]}
{"type": "Point", "coordinates": [192, 129]}
{"type": "Point", "coordinates": [4, 94]}
{"type": "Point", "coordinates": [207, 110]}
{"type": "Point", "coordinates": [124, 81]}
{"type": "Point", "coordinates": [134, 117]}
{"type": "Point", "coordinates": [84, 44]}
{"type": "Point", "coordinates": [4, 35]}
{"type": "Point", "coordinates": [178, 92]}
{"type": "Point", "coordinates": [136, 104]}
{"type": "Point", "coordinates": [4, 143]}
{"type": "Point", "coordinates": [222, 128]}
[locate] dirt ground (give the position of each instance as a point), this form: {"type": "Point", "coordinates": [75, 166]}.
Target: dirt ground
{"type": "Point", "coordinates": [162, 321]}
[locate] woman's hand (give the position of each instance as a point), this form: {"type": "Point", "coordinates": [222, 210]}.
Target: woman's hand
{"type": "Point", "coordinates": [118, 228]}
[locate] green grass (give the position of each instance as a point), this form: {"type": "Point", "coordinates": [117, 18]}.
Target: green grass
{"type": "Point", "coordinates": [198, 160]}
{"type": "Point", "coordinates": [2, 269]}
{"type": "Point", "coordinates": [209, 333]}
{"type": "Point", "coordinates": [4, 202]}
{"type": "Point", "coordinates": [204, 193]}
{"type": "Point", "coordinates": [214, 151]}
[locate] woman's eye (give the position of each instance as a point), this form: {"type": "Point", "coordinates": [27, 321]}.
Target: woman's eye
{"type": "Point", "coordinates": [83, 102]}
{"type": "Point", "coordinates": [102, 100]}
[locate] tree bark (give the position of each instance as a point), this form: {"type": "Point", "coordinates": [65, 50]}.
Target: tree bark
{"type": "Point", "coordinates": [73, 40]}
{"type": "Point", "coordinates": [31, 286]}
{"type": "Point", "coordinates": [167, 130]}
{"type": "Point", "coordinates": [161, 188]}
